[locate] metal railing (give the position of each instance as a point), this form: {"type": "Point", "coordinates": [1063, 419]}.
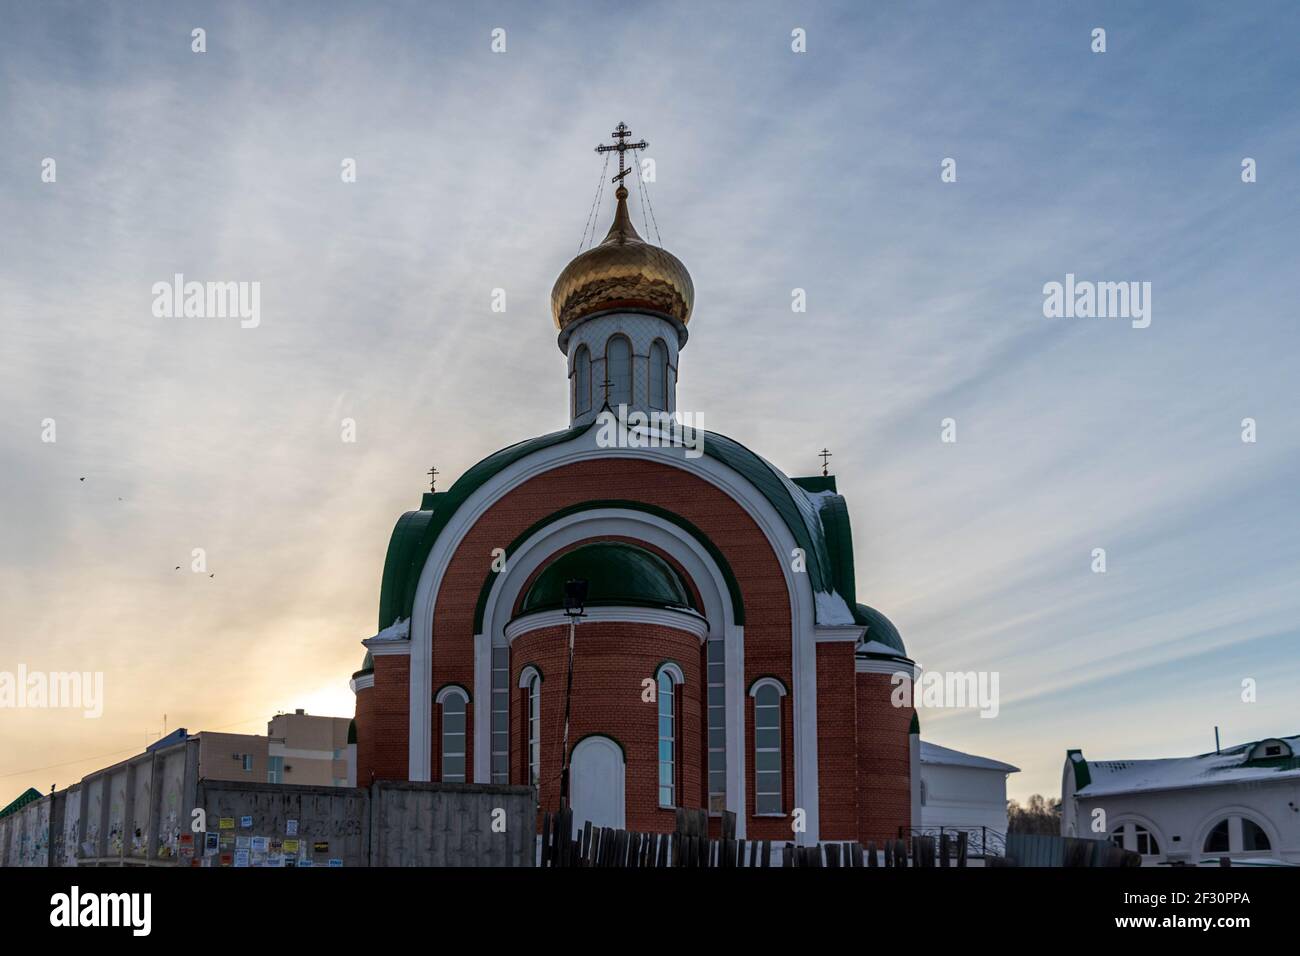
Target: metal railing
{"type": "Point", "coordinates": [981, 842]}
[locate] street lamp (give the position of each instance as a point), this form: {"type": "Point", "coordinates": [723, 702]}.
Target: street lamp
{"type": "Point", "coordinates": [575, 600]}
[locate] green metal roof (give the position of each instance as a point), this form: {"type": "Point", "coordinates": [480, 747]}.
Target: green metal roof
{"type": "Point", "coordinates": [817, 520]}
{"type": "Point", "coordinates": [617, 573]}
{"type": "Point", "coordinates": [24, 798]}
{"type": "Point", "coordinates": [880, 628]}
{"type": "Point", "coordinates": [367, 665]}
{"type": "Point", "coordinates": [816, 483]}
{"type": "Point", "coordinates": [1082, 777]}
{"type": "Point", "coordinates": [416, 531]}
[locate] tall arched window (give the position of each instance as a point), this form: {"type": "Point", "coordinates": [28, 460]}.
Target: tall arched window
{"type": "Point", "coordinates": [453, 701]}
{"type": "Point", "coordinates": [530, 679]}
{"type": "Point", "coordinates": [767, 694]}
{"type": "Point", "coordinates": [618, 369]}
{"type": "Point", "coordinates": [658, 372]}
{"type": "Point", "coordinates": [582, 380]}
{"type": "Point", "coordinates": [669, 676]}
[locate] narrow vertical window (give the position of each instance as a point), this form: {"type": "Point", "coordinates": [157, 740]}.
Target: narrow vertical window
{"type": "Point", "coordinates": [582, 380]}
{"type": "Point", "coordinates": [618, 370]}
{"type": "Point", "coordinates": [535, 730]}
{"type": "Point", "coordinates": [717, 679]}
{"type": "Point", "coordinates": [500, 715]}
{"type": "Point", "coordinates": [667, 740]}
{"type": "Point", "coordinates": [767, 748]}
{"type": "Point", "coordinates": [658, 372]}
{"type": "Point", "coordinates": [453, 702]}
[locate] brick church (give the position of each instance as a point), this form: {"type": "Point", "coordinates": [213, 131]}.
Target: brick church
{"type": "Point", "coordinates": [720, 658]}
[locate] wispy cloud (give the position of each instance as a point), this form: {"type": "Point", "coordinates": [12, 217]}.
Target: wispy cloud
{"type": "Point", "coordinates": [775, 171]}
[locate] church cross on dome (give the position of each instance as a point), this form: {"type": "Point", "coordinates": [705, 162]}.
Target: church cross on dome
{"type": "Point", "coordinates": [824, 455]}
{"type": "Point", "coordinates": [621, 134]}
{"type": "Point", "coordinates": [433, 474]}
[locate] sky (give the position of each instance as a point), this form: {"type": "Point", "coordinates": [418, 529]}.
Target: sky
{"type": "Point", "coordinates": [774, 170]}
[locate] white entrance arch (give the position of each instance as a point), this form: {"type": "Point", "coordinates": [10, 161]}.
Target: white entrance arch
{"type": "Point", "coordinates": [598, 778]}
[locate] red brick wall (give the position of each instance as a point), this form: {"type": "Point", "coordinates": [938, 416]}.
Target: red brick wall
{"type": "Point", "coordinates": [884, 761]}
{"type": "Point", "coordinates": [365, 735]}
{"type": "Point", "coordinates": [837, 741]}
{"type": "Point", "coordinates": [384, 733]}
{"type": "Point", "coordinates": [611, 659]}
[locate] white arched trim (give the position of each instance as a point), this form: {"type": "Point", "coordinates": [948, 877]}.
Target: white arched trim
{"type": "Point", "coordinates": [687, 621]}
{"type": "Point", "coordinates": [767, 682]}
{"type": "Point", "coordinates": [448, 691]}
{"type": "Point", "coordinates": [599, 523]}
{"type": "Point", "coordinates": [732, 484]}
{"type": "Point", "coordinates": [710, 584]}
{"type": "Point", "coordinates": [672, 670]}
{"type": "Point", "coordinates": [526, 677]}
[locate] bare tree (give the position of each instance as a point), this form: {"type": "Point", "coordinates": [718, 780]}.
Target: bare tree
{"type": "Point", "coordinates": [1039, 815]}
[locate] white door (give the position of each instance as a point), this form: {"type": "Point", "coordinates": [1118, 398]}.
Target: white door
{"type": "Point", "coordinates": [597, 771]}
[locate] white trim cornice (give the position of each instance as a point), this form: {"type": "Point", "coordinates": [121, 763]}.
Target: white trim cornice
{"type": "Point", "coordinates": [683, 620]}
{"type": "Point", "coordinates": [388, 648]}
{"type": "Point", "coordinates": [838, 632]}
{"type": "Point", "coordinates": [362, 683]}
{"type": "Point", "coordinates": [869, 666]}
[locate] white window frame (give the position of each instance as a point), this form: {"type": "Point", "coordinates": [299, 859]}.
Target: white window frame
{"type": "Point", "coordinates": [763, 684]}
{"type": "Point", "coordinates": [657, 371]}
{"type": "Point", "coordinates": [444, 695]}
{"type": "Point", "coordinates": [530, 679]}
{"type": "Point", "coordinates": [667, 679]}
{"type": "Point", "coordinates": [619, 398]}
{"type": "Point", "coordinates": [716, 721]}
{"type": "Point", "coordinates": [579, 374]}
{"type": "Point", "coordinates": [1236, 820]}
{"type": "Point", "coordinates": [500, 666]}
{"type": "Point", "coordinates": [1128, 836]}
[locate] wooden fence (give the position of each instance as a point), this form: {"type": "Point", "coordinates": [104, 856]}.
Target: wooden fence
{"type": "Point", "coordinates": [691, 846]}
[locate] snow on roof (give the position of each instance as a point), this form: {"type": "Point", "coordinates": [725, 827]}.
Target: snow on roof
{"type": "Point", "coordinates": [878, 647]}
{"type": "Point", "coordinates": [1232, 765]}
{"type": "Point", "coordinates": [399, 630]}
{"type": "Point", "coordinates": [832, 609]}
{"type": "Point", "coordinates": [933, 753]}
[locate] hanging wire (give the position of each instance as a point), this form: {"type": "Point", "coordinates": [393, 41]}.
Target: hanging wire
{"type": "Point", "coordinates": [640, 187]}
{"type": "Point", "coordinates": [595, 204]}
{"type": "Point", "coordinates": [645, 192]}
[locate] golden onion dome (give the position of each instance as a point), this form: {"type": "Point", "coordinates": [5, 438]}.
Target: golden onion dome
{"type": "Point", "coordinates": [623, 272]}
